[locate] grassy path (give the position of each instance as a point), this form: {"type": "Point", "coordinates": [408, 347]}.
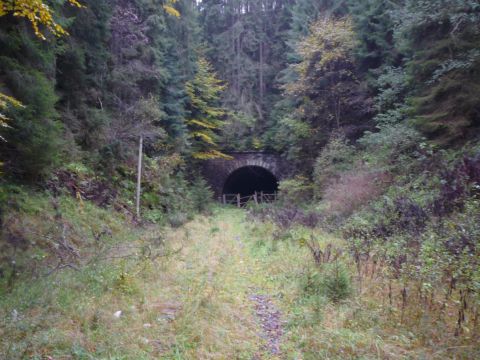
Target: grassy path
{"type": "Point", "coordinates": [216, 277]}
{"type": "Point", "coordinates": [226, 291]}
{"type": "Point", "coordinates": [195, 303]}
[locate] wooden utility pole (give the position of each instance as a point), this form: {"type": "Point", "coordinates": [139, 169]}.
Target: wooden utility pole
{"type": "Point", "coordinates": [139, 175]}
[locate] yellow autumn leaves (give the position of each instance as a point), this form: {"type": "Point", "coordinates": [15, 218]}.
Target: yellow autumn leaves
{"type": "Point", "coordinates": [6, 101]}
{"type": "Point", "coordinates": [37, 13]}
{"type": "Point", "coordinates": [169, 9]}
{"type": "Point", "coordinates": [206, 118]}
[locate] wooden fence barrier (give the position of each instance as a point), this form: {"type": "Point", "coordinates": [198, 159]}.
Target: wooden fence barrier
{"type": "Point", "coordinates": [242, 201]}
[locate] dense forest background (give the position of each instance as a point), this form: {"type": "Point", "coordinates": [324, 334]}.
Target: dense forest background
{"type": "Point", "coordinates": [374, 103]}
{"type": "Point", "coordinates": [277, 76]}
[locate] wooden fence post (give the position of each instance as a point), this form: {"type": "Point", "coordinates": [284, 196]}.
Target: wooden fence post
{"type": "Point", "coordinates": [255, 197]}
{"type": "Point", "coordinates": [139, 177]}
{"type": "Point", "coordinates": [261, 197]}
{"type": "Point", "coordinates": [224, 198]}
{"type": "Point", "coordinates": [239, 204]}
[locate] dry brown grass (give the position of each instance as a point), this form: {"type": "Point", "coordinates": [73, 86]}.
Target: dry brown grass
{"type": "Point", "coordinates": [353, 190]}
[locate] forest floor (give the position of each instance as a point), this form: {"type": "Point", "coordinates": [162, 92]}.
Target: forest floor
{"type": "Point", "coordinates": [222, 289]}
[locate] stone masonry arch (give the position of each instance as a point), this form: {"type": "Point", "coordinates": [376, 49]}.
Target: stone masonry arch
{"type": "Point", "coordinates": [217, 171]}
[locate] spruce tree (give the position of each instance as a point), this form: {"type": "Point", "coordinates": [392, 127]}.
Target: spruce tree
{"type": "Point", "coordinates": [205, 115]}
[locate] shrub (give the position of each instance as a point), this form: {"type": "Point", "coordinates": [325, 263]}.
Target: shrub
{"type": "Point", "coordinates": [391, 143]}
{"type": "Point", "coordinates": [177, 219]}
{"type": "Point", "coordinates": [458, 184]}
{"type": "Point", "coordinates": [353, 190]}
{"type": "Point", "coordinates": [285, 217]}
{"type": "Point", "coordinates": [336, 156]}
{"type": "Point", "coordinates": [295, 191]}
{"type": "Point", "coordinates": [166, 193]}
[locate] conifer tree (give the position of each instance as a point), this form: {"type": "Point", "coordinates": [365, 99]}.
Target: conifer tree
{"type": "Point", "coordinates": [205, 115]}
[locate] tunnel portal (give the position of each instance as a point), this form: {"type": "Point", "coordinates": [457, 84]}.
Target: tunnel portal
{"type": "Point", "coordinates": [250, 179]}
{"type": "Point", "coordinates": [246, 172]}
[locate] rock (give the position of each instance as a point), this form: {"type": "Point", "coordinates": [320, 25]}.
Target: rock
{"type": "Point", "coordinates": [118, 314]}
{"type": "Point", "coordinates": [14, 315]}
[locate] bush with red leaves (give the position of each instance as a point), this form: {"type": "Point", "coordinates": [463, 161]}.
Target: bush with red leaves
{"type": "Point", "coordinates": [353, 190]}
{"type": "Point", "coordinates": [458, 184]}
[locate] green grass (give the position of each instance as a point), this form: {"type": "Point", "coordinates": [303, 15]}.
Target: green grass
{"type": "Point", "coordinates": [192, 301]}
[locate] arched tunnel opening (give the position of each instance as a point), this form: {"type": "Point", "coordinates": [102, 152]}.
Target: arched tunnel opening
{"type": "Point", "coordinates": [250, 179]}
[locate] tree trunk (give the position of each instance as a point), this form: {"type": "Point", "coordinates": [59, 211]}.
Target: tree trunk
{"type": "Point", "coordinates": [262, 85]}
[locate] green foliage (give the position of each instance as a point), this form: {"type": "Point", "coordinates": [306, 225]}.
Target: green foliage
{"type": "Point", "coordinates": [237, 132]}
{"type": "Point", "coordinates": [201, 195]}
{"type": "Point", "coordinates": [297, 190]}
{"type": "Point", "coordinates": [292, 76]}
{"type": "Point", "coordinates": [421, 228]}
{"type": "Point", "coordinates": [392, 143]}
{"type": "Point", "coordinates": [5, 102]}
{"type": "Point", "coordinates": [374, 29]}
{"type": "Point", "coordinates": [34, 137]}
{"type": "Point", "coordinates": [336, 157]}
{"type": "Point", "coordinates": [205, 116]}
{"type": "Point", "coordinates": [335, 282]}
{"type": "Point", "coordinates": [392, 86]}
{"type": "Point", "coordinates": [326, 92]}
{"type": "Point", "coordinates": [441, 39]}
{"type": "Point", "coordinates": [288, 133]}
{"type": "Point", "coordinates": [326, 69]}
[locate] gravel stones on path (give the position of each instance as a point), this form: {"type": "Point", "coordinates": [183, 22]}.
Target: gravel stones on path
{"type": "Point", "coordinates": [271, 321]}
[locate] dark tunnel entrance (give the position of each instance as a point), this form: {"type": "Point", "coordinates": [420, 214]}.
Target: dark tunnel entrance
{"type": "Point", "coordinates": [250, 179]}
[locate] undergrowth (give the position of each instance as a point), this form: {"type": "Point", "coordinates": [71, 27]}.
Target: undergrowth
{"type": "Point", "coordinates": [336, 311]}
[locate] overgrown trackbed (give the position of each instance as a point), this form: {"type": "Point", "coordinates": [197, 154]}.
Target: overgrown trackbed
{"type": "Point", "coordinates": [219, 287]}
{"type": "Point", "coordinates": [227, 310]}
{"type": "Point", "coordinates": [200, 291]}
